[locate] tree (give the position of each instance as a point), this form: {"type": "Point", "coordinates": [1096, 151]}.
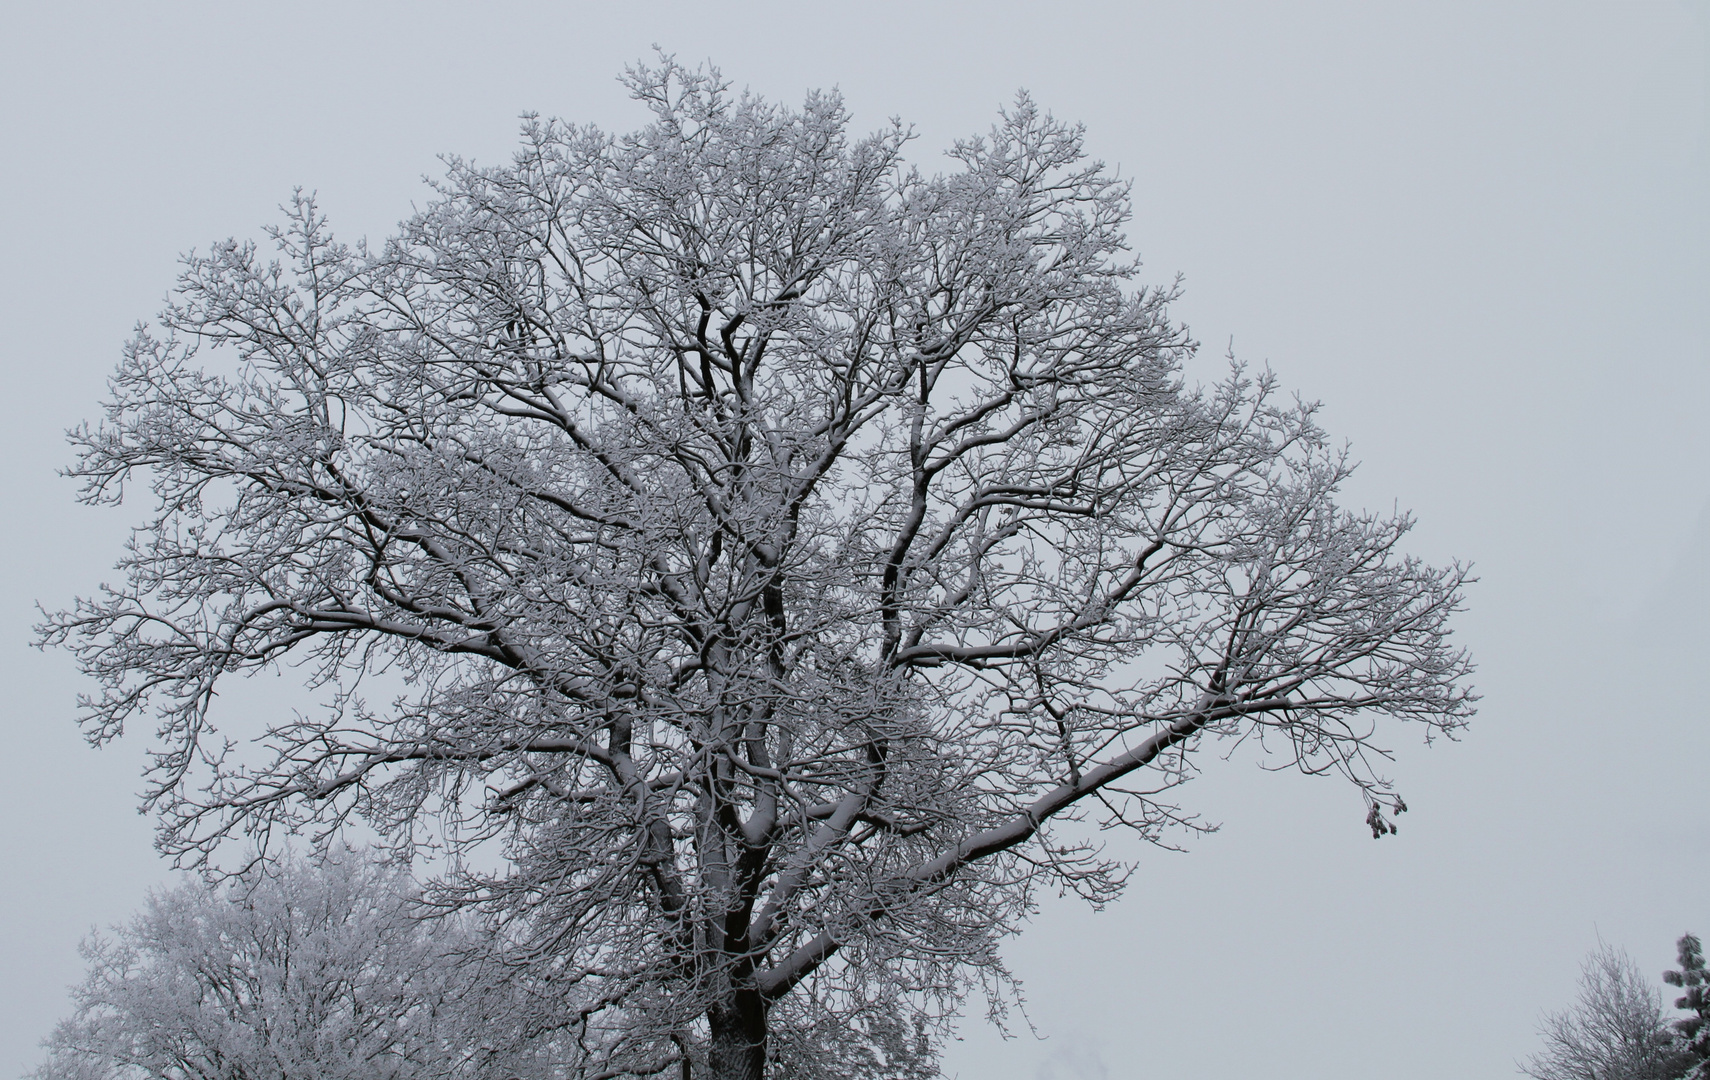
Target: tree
{"type": "Point", "coordinates": [1694, 1029]}
{"type": "Point", "coordinates": [300, 973]}
{"type": "Point", "coordinates": [1615, 1031]}
{"type": "Point", "coordinates": [787, 556]}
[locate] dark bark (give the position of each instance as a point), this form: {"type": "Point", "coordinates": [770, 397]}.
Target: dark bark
{"type": "Point", "coordinates": [738, 1028]}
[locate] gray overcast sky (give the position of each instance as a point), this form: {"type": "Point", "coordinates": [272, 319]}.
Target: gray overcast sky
{"type": "Point", "coordinates": [1479, 232]}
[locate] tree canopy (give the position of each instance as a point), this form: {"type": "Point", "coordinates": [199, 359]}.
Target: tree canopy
{"type": "Point", "coordinates": [774, 546]}
{"type": "Point", "coordinates": [300, 973]}
{"type": "Point", "coordinates": [1693, 1029]}
{"type": "Point", "coordinates": [1616, 1030]}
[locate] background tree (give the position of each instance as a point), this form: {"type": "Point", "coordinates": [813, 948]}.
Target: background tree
{"type": "Point", "coordinates": [1615, 1031]}
{"type": "Point", "coordinates": [301, 973]}
{"type": "Point", "coordinates": [1694, 1030]}
{"type": "Point", "coordinates": [780, 552]}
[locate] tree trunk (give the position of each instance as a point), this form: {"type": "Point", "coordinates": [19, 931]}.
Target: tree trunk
{"type": "Point", "coordinates": [738, 1029]}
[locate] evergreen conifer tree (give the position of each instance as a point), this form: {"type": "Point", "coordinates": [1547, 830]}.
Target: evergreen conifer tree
{"type": "Point", "coordinates": [1694, 1029]}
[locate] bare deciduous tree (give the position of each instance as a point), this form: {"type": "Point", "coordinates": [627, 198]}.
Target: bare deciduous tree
{"type": "Point", "coordinates": [776, 545]}
{"type": "Point", "coordinates": [303, 974]}
{"type": "Point", "coordinates": [1615, 1031]}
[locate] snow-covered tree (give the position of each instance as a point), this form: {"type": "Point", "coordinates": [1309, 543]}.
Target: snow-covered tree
{"type": "Point", "coordinates": [775, 547]}
{"type": "Point", "coordinates": [1694, 1028]}
{"type": "Point", "coordinates": [295, 973]}
{"type": "Point", "coordinates": [1615, 1031]}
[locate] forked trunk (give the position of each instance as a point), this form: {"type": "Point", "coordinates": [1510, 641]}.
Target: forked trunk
{"type": "Point", "coordinates": [738, 1030]}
